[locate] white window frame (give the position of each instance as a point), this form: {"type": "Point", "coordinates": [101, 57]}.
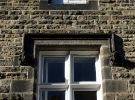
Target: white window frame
{"type": "Point", "coordinates": [71, 86]}
{"type": "Point", "coordinates": [75, 1]}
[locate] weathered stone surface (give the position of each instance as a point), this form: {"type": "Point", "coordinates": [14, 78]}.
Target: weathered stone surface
{"type": "Point", "coordinates": [119, 69]}
{"type": "Point", "coordinates": [105, 51]}
{"type": "Point", "coordinates": [122, 76]}
{"type": "Point", "coordinates": [29, 70]}
{"type": "Point", "coordinates": [106, 73]}
{"type": "Point", "coordinates": [9, 69]}
{"type": "Point", "coordinates": [109, 96]}
{"type": "Point", "coordinates": [3, 0]}
{"type": "Point", "coordinates": [16, 60]}
{"type": "Point", "coordinates": [4, 96]}
{"type": "Point", "coordinates": [5, 82]}
{"type": "Point", "coordinates": [16, 97]}
{"type": "Point", "coordinates": [28, 96]}
{"type": "Point", "coordinates": [4, 89]}
{"type": "Point", "coordinates": [7, 62]}
{"type": "Point", "coordinates": [2, 75]}
{"type": "Point", "coordinates": [22, 86]}
{"type": "Point", "coordinates": [124, 97]}
{"type": "Point", "coordinates": [132, 88]}
{"type": "Point", "coordinates": [19, 76]}
{"type": "Point", "coordinates": [115, 86]}
{"type": "Point", "coordinates": [105, 60]}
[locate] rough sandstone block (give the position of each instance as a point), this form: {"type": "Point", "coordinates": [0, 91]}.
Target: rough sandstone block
{"type": "Point", "coordinates": [105, 60]}
{"type": "Point", "coordinates": [22, 86]}
{"type": "Point", "coordinates": [109, 96]}
{"type": "Point", "coordinates": [28, 96]}
{"type": "Point", "coordinates": [127, 96]}
{"type": "Point", "coordinates": [115, 86]}
{"type": "Point", "coordinates": [106, 73]}
{"type": "Point", "coordinates": [4, 89]}
{"type": "Point", "coordinates": [105, 50]}
{"type": "Point", "coordinates": [5, 82]}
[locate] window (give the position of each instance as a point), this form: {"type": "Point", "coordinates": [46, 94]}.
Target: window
{"type": "Point", "coordinates": [67, 1]}
{"type": "Point", "coordinates": [68, 4]}
{"type": "Point", "coordinates": [69, 75]}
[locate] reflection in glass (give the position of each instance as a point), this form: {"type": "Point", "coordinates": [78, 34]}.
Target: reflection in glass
{"type": "Point", "coordinates": [56, 95]}
{"type": "Point", "coordinates": [84, 69]}
{"type": "Point", "coordinates": [85, 95]}
{"type": "Point", "coordinates": [54, 69]}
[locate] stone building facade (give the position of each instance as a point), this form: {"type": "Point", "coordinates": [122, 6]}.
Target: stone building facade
{"type": "Point", "coordinates": [21, 17]}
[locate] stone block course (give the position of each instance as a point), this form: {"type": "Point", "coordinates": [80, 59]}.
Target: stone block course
{"type": "Point", "coordinates": [15, 76]}
{"type": "Point", "coordinates": [9, 69]}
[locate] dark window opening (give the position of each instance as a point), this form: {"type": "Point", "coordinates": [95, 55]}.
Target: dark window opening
{"type": "Point", "coordinates": [85, 95]}
{"type": "Point", "coordinates": [56, 95]}
{"type": "Point", "coordinates": [84, 69]}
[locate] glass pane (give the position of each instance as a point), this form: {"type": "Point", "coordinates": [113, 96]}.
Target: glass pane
{"type": "Point", "coordinates": [84, 69]}
{"type": "Point", "coordinates": [55, 69]}
{"type": "Point", "coordinates": [85, 95]}
{"type": "Point", "coordinates": [42, 95]}
{"type": "Point", "coordinates": [55, 1]}
{"type": "Point", "coordinates": [56, 95]}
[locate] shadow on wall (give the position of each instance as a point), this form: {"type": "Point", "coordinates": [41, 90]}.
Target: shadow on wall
{"type": "Point", "coordinates": [119, 54]}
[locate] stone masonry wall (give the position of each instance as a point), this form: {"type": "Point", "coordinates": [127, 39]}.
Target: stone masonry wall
{"type": "Point", "coordinates": [24, 16]}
